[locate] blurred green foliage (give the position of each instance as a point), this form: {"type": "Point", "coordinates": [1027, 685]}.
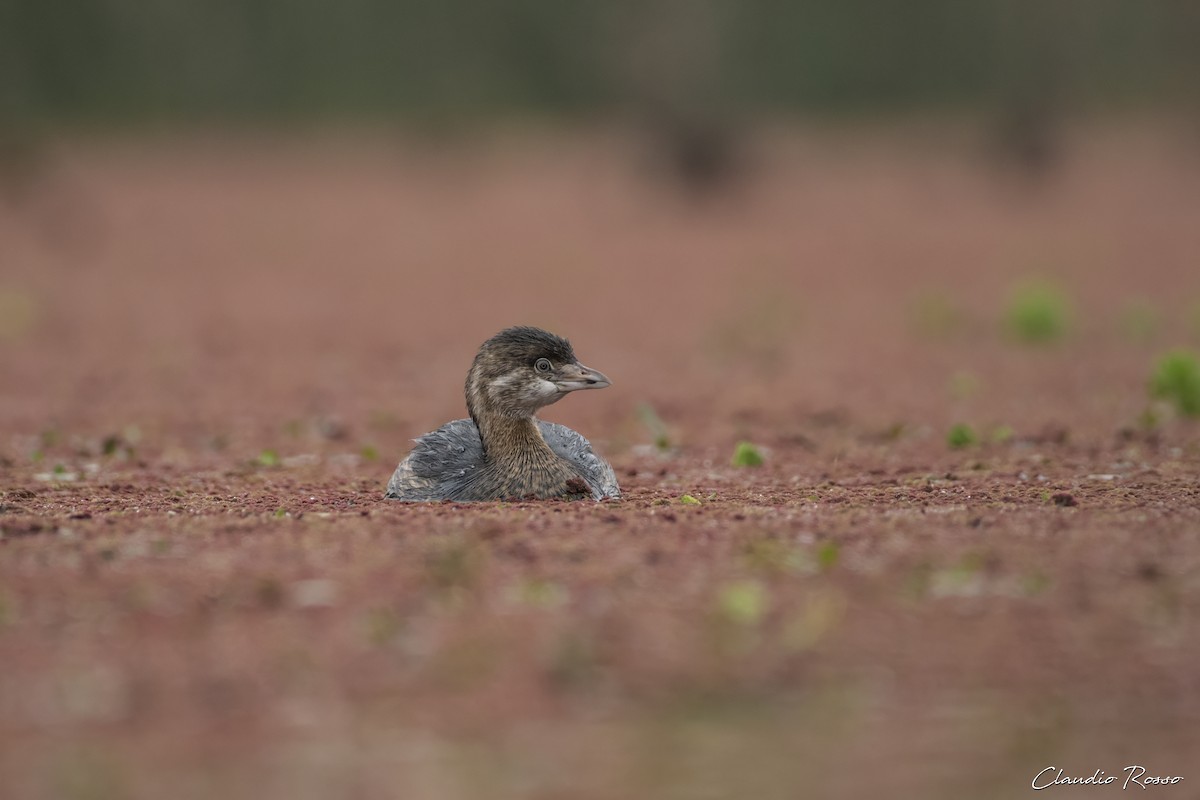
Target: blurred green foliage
{"type": "Point", "coordinates": [745, 454]}
{"type": "Point", "coordinates": [1176, 379]}
{"type": "Point", "coordinates": [65, 60]}
{"type": "Point", "coordinates": [961, 435]}
{"type": "Point", "coordinates": [1038, 313]}
{"type": "Point", "coordinates": [655, 425]}
{"type": "Point", "coordinates": [743, 602]}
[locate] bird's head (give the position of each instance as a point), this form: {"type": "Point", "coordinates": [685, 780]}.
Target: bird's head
{"type": "Point", "coordinates": [521, 369]}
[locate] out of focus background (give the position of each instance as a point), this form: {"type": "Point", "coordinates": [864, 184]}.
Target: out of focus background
{"type": "Point", "coordinates": [901, 304]}
{"type": "Point", "coordinates": [314, 196]}
{"type": "Point", "coordinates": [467, 60]}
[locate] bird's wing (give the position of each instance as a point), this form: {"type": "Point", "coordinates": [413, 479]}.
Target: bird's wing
{"type": "Point", "coordinates": [577, 450]}
{"type": "Point", "coordinates": [442, 463]}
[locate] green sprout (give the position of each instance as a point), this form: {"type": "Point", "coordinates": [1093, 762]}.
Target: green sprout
{"type": "Point", "coordinates": [268, 458]}
{"type": "Point", "coordinates": [539, 593]}
{"type": "Point", "coordinates": [1176, 379]}
{"type": "Point", "coordinates": [655, 425]}
{"type": "Point", "coordinates": [1037, 314]}
{"type": "Point", "coordinates": [688, 500]}
{"type": "Point", "coordinates": [960, 436]}
{"type": "Point", "coordinates": [118, 444]}
{"type": "Point", "coordinates": [1002, 434]}
{"type": "Point", "coordinates": [747, 455]}
{"type": "Point", "coordinates": [1149, 419]}
{"type": "Point", "coordinates": [827, 555]}
{"type": "Point", "coordinates": [744, 602]}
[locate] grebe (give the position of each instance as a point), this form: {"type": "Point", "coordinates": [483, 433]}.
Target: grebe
{"type": "Point", "coordinates": [503, 452]}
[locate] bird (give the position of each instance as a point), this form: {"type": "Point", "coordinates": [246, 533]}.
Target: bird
{"type": "Point", "coordinates": [503, 452]}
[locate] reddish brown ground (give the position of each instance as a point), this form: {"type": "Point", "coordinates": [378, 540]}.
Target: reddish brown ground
{"type": "Point", "coordinates": [213, 353]}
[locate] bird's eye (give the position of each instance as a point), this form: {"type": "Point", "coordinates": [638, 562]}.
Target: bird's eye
{"type": "Point", "coordinates": [542, 365]}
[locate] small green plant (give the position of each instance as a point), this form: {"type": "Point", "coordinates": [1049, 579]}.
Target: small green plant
{"type": "Point", "coordinates": [827, 555]}
{"type": "Point", "coordinates": [747, 455]}
{"type": "Point", "coordinates": [1037, 314]}
{"type": "Point", "coordinates": [960, 436]}
{"type": "Point", "coordinates": [268, 458]}
{"type": "Point", "coordinates": [1176, 379]}
{"type": "Point", "coordinates": [965, 579]}
{"type": "Point", "coordinates": [1002, 434]}
{"type": "Point", "coordinates": [688, 500]}
{"type": "Point", "coordinates": [116, 444]}
{"type": "Point", "coordinates": [538, 593]}
{"type": "Point", "coordinates": [744, 602]}
{"type": "Point", "coordinates": [655, 425]}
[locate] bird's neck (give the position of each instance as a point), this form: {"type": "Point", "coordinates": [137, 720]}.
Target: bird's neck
{"type": "Point", "coordinates": [512, 440]}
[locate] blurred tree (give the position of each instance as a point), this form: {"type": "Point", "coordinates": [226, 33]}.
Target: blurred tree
{"type": "Point", "coordinates": [693, 64]}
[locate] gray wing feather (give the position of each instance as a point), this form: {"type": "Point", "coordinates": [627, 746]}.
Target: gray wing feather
{"type": "Point", "coordinates": [570, 445]}
{"type": "Point", "coordinates": [440, 465]}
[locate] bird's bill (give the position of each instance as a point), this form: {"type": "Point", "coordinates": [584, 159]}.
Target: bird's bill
{"type": "Point", "coordinates": [573, 377]}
